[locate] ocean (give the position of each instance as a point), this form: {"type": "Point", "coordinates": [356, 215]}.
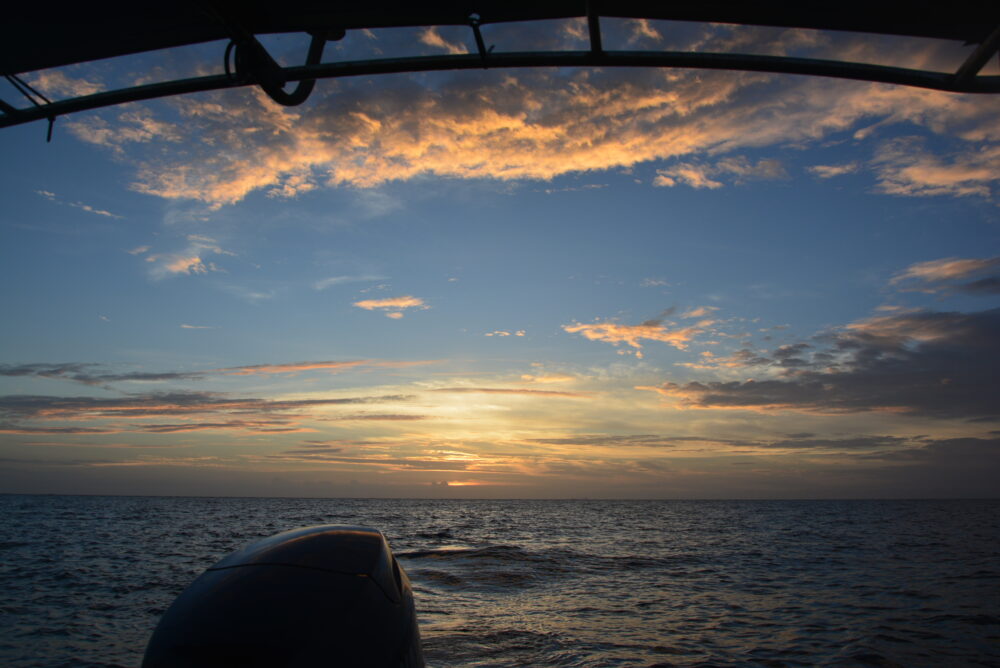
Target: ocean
{"type": "Point", "coordinates": [84, 579]}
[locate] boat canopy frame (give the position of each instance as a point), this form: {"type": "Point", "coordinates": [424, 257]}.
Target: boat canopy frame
{"type": "Point", "coordinates": [36, 39]}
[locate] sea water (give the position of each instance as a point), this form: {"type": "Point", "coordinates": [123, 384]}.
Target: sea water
{"type": "Point", "coordinates": [83, 580]}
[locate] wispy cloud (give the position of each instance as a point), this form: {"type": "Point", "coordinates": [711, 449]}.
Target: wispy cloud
{"type": "Point", "coordinates": [699, 312]}
{"type": "Point", "coordinates": [906, 167]}
{"type": "Point", "coordinates": [51, 196]}
{"type": "Point", "coordinates": [189, 261]}
{"type": "Point", "coordinates": [952, 275]}
{"type": "Point", "coordinates": [505, 390]}
{"type": "Point", "coordinates": [135, 125]}
{"type": "Point", "coordinates": [392, 306]}
{"type": "Point", "coordinates": [702, 175]}
{"type": "Point", "coordinates": [653, 283]}
{"type": "Point", "coordinates": [55, 82]}
{"type": "Point", "coordinates": [34, 414]}
{"type": "Point", "coordinates": [633, 335]}
{"type": "Point", "coordinates": [643, 29]}
{"type": "Point", "coordinates": [381, 417]}
{"type": "Point", "coordinates": [548, 378]}
{"type": "Point", "coordinates": [792, 442]}
{"type": "Point", "coordinates": [325, 283]}
{"type": "Point", "coordinates": [95, 374]}
{"type": "Point", "coordinates": [431, 37]}
{"type": "Point", "coordinates": [830, 171]}
{"type": "Point", "coordinates": [330, 366]}
{"type": "Point", "coordinates": [503, 332]}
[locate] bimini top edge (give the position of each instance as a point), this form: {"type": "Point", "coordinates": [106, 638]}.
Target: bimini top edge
{"type": "Point", "coordinates": [36, 38]}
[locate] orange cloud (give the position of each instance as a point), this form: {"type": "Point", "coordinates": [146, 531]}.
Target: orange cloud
{"type": "Point", "coordinates": [905, 167]}
{"type": "Point", "coordinates": [431, 37]}
{"type": "Point", "coordinates": [540, 124]}
{"type": "Point", "coordinates": [190, 260]}
{"type": "Point", "coordinates": [185, 265]}
{"type": "Point", "coordinates": [392, 305]}
{"type": "Point", "coordinates": [698, 175]}
{"type": "Point", "coordinates": [947, 269]}
{"type": "Point", "coordinates": [699, 312]}
{"type": "Point", "coordinates": [296, 367]}
{"type": "Point", "coordinates": [57, 83]}
{"type": "Point", "coordinates": [632, 335]}
{"type": "Point", "coordinates": [830, 171]}
{"type": "Point", "coordinates": [548, 378]}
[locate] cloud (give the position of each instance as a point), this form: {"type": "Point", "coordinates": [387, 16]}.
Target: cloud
{"type": "Point", "coordinates": [393, 306]}
{"type": "Point", "coordinates": [21, 413]}
{"type": "Point", "coordinates": [905, 167]}
{"type": "Point", "coordinates": [539, 124]}
{"type": "Point", "coordinates": [188, 261]}
{"type": "Point", "coordinates": [135, 125]}
{"type": "Point", "coordinates": [294, 367]}
{"type": "Point", "coordinates": [382, 417]}
{"type": "Point", "coordinates": [643, 29]}
{"type": "Point", "coordinates": [55, 82]}
{"type": "Point", "coordinates": [184, 265]}
{"type": "Point", "coordinates": [51, 196]}
{"type": "Point", "coordinates": [699, 312]}
{"type": "Point", "coordinates": [499, 390]}
{"type": "Point", "coordinates": [611, 441]}
{"type": "Point", "coordinates": [272, 426]}
{"type": "Point", "coordinates": [431, 37]}
{"type": "Point", "coordinates": [185, 326]}
{"type": "Point", "coordinates": [695, 176]}
{"type": "Point", "coordinates": [830, 171]}
{"type": "Point", "coordinates": [138, 250]}
{"type": "Point", "coordinates": [851, 444]}
{"type": "Point", "coordinates": [792, 442]}
{"type": "Point", "coordinates": [948, 451]}
{"type": "Point", "coordinates": [926, 363]}
{"type": "Point", "coordinates": [165, 403]}
{"type": "Point", "coordinates": [548, 378]}
{"type": "Point", "coordinates": [93, 374]}
{"type": "Point", "coordinates": [632, 335]}
{"type": "Point", "coordinates": [503, 332]}
{"type": "Point", "coordinates": [951, 275]}
{"type": "Point", "coordinates": [11, 428]}
{"type": "Point", "coordinates": [699, 175]}
{"type": "Point", "coordinates": [340, 280]}
{"type": "Point", "coordinates": [88, 374]}
{"type": "Point", "coordinates": [331, 366]}
{"type": "Point", "coordinates": [653, 283]}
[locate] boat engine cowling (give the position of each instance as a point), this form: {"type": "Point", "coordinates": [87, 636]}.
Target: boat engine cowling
{"type": "Point", "coordinates": [317, 596]}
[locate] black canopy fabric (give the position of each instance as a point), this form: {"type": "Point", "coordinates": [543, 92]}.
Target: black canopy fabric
{"type": "Point", "coordinates": [38, 37]}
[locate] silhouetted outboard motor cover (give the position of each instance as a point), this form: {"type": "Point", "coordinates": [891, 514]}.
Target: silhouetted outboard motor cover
{"type": "Point", "coordinates": [318, 596]}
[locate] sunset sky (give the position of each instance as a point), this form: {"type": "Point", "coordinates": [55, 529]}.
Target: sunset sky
{"type": "Point", "coordinates": [633, 283]}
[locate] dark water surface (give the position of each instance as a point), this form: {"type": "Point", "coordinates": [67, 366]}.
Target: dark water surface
{"type": "Point", "coordinates": [83, 580]}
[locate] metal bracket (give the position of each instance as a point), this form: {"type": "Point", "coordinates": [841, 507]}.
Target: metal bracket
{"type": "Point", "coordinates": [978, 59]}
{"type": "Point", "coordinates": [255, 65]}
{"type": "Point", "coordinates": [594, 25]}
{"type": "Point", "coordinates": [480, 44]}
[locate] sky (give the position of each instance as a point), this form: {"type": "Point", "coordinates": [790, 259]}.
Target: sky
{"type": "Point", "coordinates": [540, 283]}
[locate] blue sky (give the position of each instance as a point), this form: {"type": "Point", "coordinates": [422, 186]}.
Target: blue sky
{"type": "Point", "coordinates": [541, 283]}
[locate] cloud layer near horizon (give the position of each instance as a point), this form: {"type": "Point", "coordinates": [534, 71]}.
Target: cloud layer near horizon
{"type": "Point", "coordinates": [924, 363]}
